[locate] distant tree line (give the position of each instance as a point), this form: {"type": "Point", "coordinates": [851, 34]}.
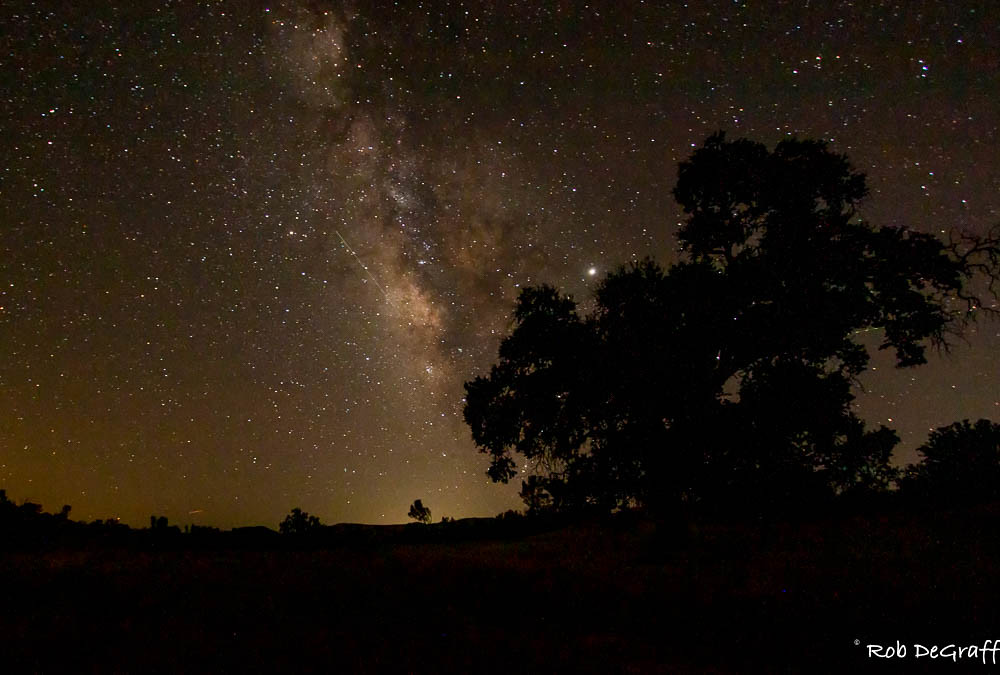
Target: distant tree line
{"type": "Point", "coordinates": [27, 525]}
{"type": "Point", "coordinates": [726, 381]}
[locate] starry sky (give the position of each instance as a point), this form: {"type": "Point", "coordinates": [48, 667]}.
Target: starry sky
{"type": "Point", "coordinates": [249, 252]}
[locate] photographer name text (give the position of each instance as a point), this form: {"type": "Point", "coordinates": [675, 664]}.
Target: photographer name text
{"type": "Point", "coordinates": [985, 652]}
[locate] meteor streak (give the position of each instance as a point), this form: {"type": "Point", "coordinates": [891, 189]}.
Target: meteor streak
{"type": "Point", "coordinates": [363, 266]}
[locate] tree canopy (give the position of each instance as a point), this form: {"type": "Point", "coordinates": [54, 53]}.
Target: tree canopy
{"type": "Point", "coordinates": [727, 377]}
{"type": "Point", "coordinates": [960, 463]}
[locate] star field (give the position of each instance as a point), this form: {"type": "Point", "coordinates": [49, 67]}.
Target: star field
{"type": "Point", "coordinates": [250, 252]}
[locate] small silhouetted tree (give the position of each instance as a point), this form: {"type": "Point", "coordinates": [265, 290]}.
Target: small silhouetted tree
{"type": "Point", "coordinates": [419, 512]}
{"type": "Point", "coordinates": [298, 522]}
{"type": "Point", "coordinates": [7, 507]}
{"type": "Point", "coordinates": [960, 463]}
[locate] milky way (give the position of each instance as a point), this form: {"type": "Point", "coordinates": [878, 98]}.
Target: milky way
{"type": "Point", "coordinates": [250, 252]}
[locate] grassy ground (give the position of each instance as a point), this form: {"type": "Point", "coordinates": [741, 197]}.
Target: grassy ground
{"type": "Point", "coordinates": [599, 598]}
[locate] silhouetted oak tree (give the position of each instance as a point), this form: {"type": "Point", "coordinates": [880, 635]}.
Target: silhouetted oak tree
{"type": "Point", "coordinates": [728, 377]}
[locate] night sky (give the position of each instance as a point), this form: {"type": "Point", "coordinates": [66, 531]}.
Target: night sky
{"type": "Point", "coordinates": [250, 252]}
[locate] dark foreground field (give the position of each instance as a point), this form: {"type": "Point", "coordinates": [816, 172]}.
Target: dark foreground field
{"type": "Point", "coordinates": [598, 598]}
